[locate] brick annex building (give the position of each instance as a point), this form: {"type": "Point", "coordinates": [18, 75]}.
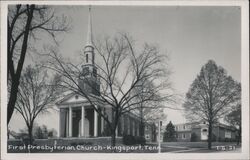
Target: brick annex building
{"type": "Point", "coordinates": [77, 118]}
{"type": "Point", "coordinates": [199, 132]}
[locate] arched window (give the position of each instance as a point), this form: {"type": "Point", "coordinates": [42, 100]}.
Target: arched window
{"type": "Point", "coordinates": [204, 130]}
{"type": "Point", "coordinates": [87, 58]}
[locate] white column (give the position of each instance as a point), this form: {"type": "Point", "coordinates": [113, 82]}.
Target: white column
{"type": "Point", "coordinates": [138, 128]}
{"type": "Point", "coordinates": [122, 125]}
{"type": "Point", "coordinates": [128, 122]}
{"type": "Point", "coordinates": [70, 122]}
{"type": "Point", "coordinates": [102, 122]}
{"type": "Point", "coordinates": [67, 123]}
{"type": "Point", "coordinates": [95, 123]}
{"type": "Point", "coordinates": [83, 121]}
{"type": "Point", "coordinates": [133, 126]}
{"type": "Point", "coordinates": [116, 131]}
{"type": "Point", "coordinates": [60, 123]}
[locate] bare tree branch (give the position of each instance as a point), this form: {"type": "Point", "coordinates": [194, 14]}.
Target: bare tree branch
{"type": "Point", "coordinates": [24, 23]}
{"type": "Point", "coordinates": [127, 78]}
{"type": "Point", "coordinates": [212, 95]}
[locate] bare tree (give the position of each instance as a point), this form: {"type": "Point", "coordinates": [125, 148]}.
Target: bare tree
{"type": "Point", "coordinates": [153, 111]}
{"type": "Point", "coordinates": [27, 22]}
{"type": "Point", "coordinates": [211, 96]}
{"type": "Point", "coordinates": [122, 70]}
{"type": "Point", "coordinates": [35, 95]}
{"type": "Point", "coordinates": [150, 116]}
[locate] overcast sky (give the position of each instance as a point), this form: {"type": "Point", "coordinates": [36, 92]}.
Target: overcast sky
{"type": "Point", "coordinates": [189, 35]}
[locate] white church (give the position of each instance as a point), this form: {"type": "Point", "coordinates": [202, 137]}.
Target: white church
{"type": "Point", "coordinates": [77, 118]}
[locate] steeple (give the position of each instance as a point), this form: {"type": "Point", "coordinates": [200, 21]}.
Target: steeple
{"type": "Point", "coordinates": [89, 33]}
{"type": "Point", "coordinates": [88, 80]}
{"type": "Point", "coordinates": [89, 48]}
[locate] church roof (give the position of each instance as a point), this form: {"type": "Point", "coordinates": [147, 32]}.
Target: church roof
{"type": "Point", "coordinates": [64, 98]}
{"type": "Point", "coordinates": [74, 98]}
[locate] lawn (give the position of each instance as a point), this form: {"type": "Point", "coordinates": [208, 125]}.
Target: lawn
{"type": "Point", "coordinates": [195, 144]}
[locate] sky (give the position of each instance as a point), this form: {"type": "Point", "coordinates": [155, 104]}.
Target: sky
{"type": "Point", "coordinates": [190, 36]}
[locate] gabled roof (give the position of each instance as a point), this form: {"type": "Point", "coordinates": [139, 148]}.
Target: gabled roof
{"type": "Point", "coordinates": [71, 98]}
{"type": "Point", "coordinates": [200, 123]}
{"type": "Point", "coordinates": [188, 123]}
{"type": "Point", "coordinates": [74, 98]}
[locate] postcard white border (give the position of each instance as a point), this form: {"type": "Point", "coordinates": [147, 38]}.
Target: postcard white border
{"type": "Point", "coordinates": [244, 80]}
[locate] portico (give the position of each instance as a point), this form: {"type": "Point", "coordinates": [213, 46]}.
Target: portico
{"type": "Point", "coordinates": [80, 121]}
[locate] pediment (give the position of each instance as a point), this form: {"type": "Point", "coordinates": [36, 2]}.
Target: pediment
{"type": "Point", "coordinates": [71, 99]}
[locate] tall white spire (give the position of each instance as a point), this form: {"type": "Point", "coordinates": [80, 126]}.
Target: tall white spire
{"type": "Point", "coordinates": [89, 47]}
{"type": "Point", "coordinates": [90, 83]}
{"type": "Point", "coordinates": [89, 41]}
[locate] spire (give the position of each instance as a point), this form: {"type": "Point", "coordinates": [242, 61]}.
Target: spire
{"type": "Point", "coordinates": [89, 33]}
{"type": "Point", "coordinates": [89, 47]}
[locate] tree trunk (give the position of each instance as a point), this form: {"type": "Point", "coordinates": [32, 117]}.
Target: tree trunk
{"type": "Point", "coordinates": [16, 76]}
{"type": "Point", "coordinates": [210, 135]}
{"type": "Point", "coordinates": [142, 126]}
{"type": "Point", "coordinates": [113, 138]}
{"type": "Point", "coordinates": [30, 128]}
{"type": "Point", "coordinates": [12, 99]}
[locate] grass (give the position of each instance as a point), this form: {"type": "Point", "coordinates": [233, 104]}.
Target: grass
{"type": "Point", "coordinates": [196, 144]}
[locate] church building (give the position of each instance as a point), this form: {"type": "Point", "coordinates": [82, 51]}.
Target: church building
{"type": "Point", "coordinates": [77, 118]}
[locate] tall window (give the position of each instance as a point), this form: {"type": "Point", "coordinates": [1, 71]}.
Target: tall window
{"type": "Point", "coordinates": [87, 58]}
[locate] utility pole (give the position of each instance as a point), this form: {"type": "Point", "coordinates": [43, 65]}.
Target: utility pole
{"type": "Point", "coordinates": [159, 136]}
